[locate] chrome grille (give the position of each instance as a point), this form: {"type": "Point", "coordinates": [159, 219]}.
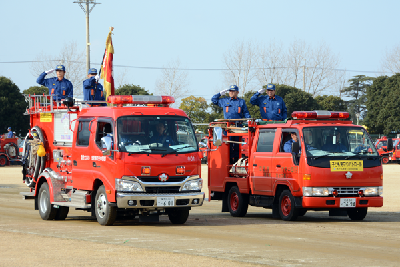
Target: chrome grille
{"type": "Point", "coordinates": [347, 190]}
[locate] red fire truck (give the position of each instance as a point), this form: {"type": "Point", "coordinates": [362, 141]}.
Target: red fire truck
{"type": "Point", "coordinates": [9, 151]}
{"type": "Point", "coordinates": [332, 166]}
{"type": "Point", "coordinates": [128, 159]}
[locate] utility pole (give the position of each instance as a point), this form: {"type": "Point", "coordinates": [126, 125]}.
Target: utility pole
{"type": "Point", "coordinates": [87, 11]}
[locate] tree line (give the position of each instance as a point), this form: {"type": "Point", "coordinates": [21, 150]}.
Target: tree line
{"type": "Point", "coordinates": [373, 101]}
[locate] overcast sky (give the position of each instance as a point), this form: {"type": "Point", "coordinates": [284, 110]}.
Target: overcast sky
{"type": "Point", "coordinates": [154, 33]}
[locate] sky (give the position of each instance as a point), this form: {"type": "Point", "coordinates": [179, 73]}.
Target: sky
{"type": "Point", "coordinates": [153, 33]}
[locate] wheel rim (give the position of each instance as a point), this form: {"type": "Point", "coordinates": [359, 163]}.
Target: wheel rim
{"type": "Point", "coordinates": [2, 161]}
{"type": "Point", "coordinates": [385, 160]}
{"type": "Point", "coordinates": [286, 205]}
{"type": "Point", "coordinates": [234, 201]}
{"type": "Point", "coordinates": [43, 202]}
{"type": "Point", "coordinates": [102, 206]}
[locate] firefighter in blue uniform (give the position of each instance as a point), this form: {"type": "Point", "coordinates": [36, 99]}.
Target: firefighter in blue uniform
{"type": "Point", "coordinates": [92, 87]}
{"type": "Point", "coordinates": [10, 134]}
{"type": "Point", "coordinates": [272, 107]}
{"type": "Point", "coordinates": [59, 87]}
{"type": "Point", "coordinates": [233, 108]}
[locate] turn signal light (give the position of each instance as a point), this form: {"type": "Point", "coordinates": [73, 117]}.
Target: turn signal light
{"type": "Point", "coordinates": [360, 193]}
{"type": "Point", "coordinates": [180, 170]}
{"type": "Point", "coordinates": [335, 193]}
{"type": "Point", "coordinates": [146, 170]}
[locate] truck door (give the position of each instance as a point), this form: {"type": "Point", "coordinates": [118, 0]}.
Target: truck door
{"type": "Point", "coordinates": [285, 167]}
{"type": "Point", "coordinates": [262, 158]}
{"type": "Point", "coordinates": [81, 168]}
{"type": "Point", "coordinates": [103, 167]}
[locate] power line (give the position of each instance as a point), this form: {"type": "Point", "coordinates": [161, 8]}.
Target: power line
{"type": "Point", "coordinates": [189, 69]}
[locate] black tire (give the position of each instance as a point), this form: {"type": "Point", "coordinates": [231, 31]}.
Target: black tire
{"type": "Point", "coordinates": [287, 208]}
{"type": "Point", "coordinates": [62, 213]}
{"type": "Point", "coordinates": [302, 212]}
{"type": "Point", "coordinates": [46, 210]}
{"type": "Point", "coordinates": [105, 213]}
{"type": "Point", "coordinates": [3, 161]}
{"type": "Point", "coordinates": [357, 214]}
{"type": "Point", "coordinates": [237, 203]}
{"type": "Point", "coordinates": [178, 216]}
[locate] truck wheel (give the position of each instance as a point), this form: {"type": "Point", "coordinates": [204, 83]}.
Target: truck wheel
{"type": "Point", "coordinates": [287, 208]}
{"type": "Point", "coordinates": [385, 160]}
{"type": "Point", "coordinates": [105, 213]}
{"type": "Point", "coordinates": [3, 161]}
{"type": "Point", "coordinates": [62, 213]}
{"type": "Point", "coordinates": [178, 216]}
{"type": "Point", "coordinates": [46, 210]}
{"type": "Point", "coordinates": [237, 203]}
{"type": "Point", "coordinates": [357, 214]}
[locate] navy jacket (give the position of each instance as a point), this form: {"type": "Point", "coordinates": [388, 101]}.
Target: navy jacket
{"type": "Point", "coordinates": [273, 109]}
{"type": "Point", "coordinates": [59, 89]}
{"type": "Point", "coordinates": [88, 86]}
{"type": "Point", "coordinates": [234, 108]}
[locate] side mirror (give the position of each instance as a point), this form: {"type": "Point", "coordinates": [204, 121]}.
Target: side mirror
{"type": "Point", "coordinates": [106, 143]}
{"type": "Point", "coordinates": [389, 144]}
{"type": "Point", "coordinates": [202, 145]}
{"type": "Point", "coordinates": [217, 136]}
{"type": "Point", "coordinates": [295, 147]}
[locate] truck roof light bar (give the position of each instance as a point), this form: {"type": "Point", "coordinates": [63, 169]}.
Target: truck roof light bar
{"type": "Point", "coordinates": [140, 99]}
{"type": "Point", "coordinates": [320, 114]}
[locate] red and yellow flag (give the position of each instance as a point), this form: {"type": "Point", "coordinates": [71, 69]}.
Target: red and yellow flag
{"type": "Point", "coordinates": [107, 67]}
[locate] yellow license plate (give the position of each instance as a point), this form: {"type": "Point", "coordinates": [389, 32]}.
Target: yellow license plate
{"type": "Point", "coordinates": [346, 165]}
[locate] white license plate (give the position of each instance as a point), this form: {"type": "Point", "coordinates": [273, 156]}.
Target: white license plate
{"type": "Point", "coordinates": [347, 202]}
{"type": "Point", "coordinates": [165, 201]}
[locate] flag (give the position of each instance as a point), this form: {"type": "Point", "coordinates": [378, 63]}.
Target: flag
{"type": "Point", "coordinates": [107, 67]}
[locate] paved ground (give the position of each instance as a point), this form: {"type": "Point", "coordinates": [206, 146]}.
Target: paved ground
{"type": "Point", "coordinates": [208, 238]}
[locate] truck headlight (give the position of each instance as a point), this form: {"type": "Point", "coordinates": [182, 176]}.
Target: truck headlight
{"type": "Point", "coordinates": [127, 186]}
{"type": "Point", "coordinates": [193, 185]}
{"type": "Point", "coordinates": [373, 191]}
{"type": "Point", "coordinates": [315, 191]}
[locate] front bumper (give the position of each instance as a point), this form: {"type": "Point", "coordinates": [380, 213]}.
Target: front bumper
{"type": "Point", "coordinates": [334, 202]}
{"type": "Point", "coordinates": [149, 201]}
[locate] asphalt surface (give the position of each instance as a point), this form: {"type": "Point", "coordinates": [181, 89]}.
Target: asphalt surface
{"type": "Point", "coordinates": [209, 237]}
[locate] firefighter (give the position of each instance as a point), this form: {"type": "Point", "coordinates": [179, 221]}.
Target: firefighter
{"type": "Point", "coordinates": [161, 137]}
{"type": "Point", "coordinates": [10, 133]}
{"type": "Point", "coordinates": [272, 107]}
{"type": "Point", "coordinates": [59, 87]}
{"type": "Point", "coordinates": [233, 107]}
{"type": "Point", "coordinates": [287, 147]}
{"type": "Point", "coordinates": [92, 87]}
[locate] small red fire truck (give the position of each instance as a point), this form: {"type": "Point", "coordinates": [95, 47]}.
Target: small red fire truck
{"type": "Point", "coordinates": [128, 159]}
{"type": "Point", "coordinates": [9, 151]}
{"type": "Point", "coordinates": [386, 148]}
{"type": "Point", "coordinates": [332, 166]}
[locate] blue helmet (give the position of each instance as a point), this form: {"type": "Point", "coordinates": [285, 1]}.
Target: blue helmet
{"type": "Point", "coordinates": [270, 86]}
{"type": "Point", "coordinates": [60, 67]}
{"type": "Point", "coordinates": [92, 71]}
{"type": "Point", "coordinates": [233, 88]}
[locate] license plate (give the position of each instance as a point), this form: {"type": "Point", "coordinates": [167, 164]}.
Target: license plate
{"type": "Point", "coordinates": [347, 202]}
{"type": "Point", "coordinates": [165, 201]}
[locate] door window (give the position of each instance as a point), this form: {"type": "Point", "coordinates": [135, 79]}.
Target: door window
{"type": "Point", "coordinates": [266, 140]}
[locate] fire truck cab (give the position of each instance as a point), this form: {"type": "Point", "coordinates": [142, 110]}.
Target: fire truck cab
{"type": "Point", "coordinates": [128, 159]}
{"type": "Point", "coordinates": [316, 161]}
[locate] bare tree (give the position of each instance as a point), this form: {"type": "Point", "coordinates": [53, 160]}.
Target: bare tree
{"type": "Point", "coordinates": [70, 56]}
{"type": "Point", "coordinates": [173, 81]}
{"type": "Point", "coordinates": [241, 62]}
{"type": "Point", "coordinates": [391, 60]}
{"type": "Point", "coordinates": [316, 64]}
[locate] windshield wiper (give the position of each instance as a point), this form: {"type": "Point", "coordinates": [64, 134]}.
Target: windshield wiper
{"type": "Point", "coordinates": [317, 157]}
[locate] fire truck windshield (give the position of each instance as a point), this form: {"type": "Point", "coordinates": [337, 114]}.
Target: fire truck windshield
{"type": "Point", "coordinates": [338, 141]}
{"type": "Point", "coordinates": [155, 135]}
